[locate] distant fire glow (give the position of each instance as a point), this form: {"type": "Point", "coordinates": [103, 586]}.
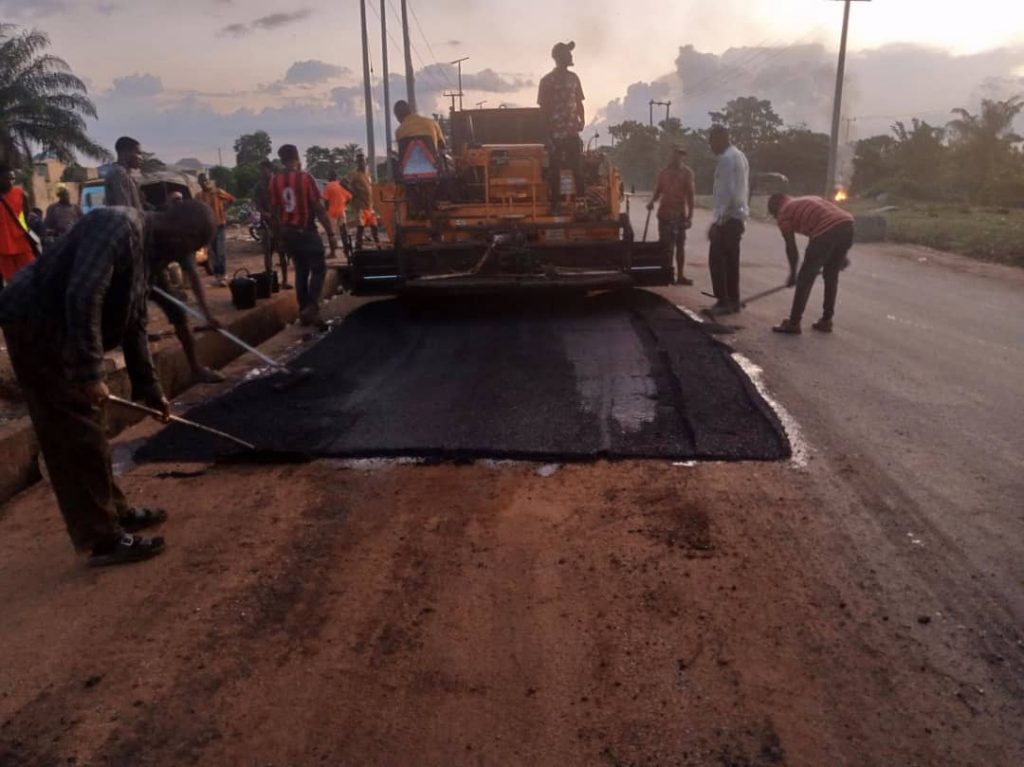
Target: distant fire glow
{"type": "Point", "coordinates": [840, 195]}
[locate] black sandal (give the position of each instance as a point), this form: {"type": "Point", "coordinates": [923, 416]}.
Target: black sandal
{"type": "Point", "coordinates": [141, 517]}
{"type": "Point", "coordinates": [125, 550]}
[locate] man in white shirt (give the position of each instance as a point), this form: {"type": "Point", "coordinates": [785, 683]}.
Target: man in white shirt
{"type": "Point", "coordinates": [731, 195]}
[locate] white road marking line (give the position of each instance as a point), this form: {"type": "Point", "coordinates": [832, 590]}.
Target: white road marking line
{"type": "Point", "coordinates": [801, 450]}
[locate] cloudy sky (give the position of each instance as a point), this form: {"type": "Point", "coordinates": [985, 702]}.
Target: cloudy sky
{"type": "Point", "coordinates": [187, 77]}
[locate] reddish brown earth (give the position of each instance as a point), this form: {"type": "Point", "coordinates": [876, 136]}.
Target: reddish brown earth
{"type": "Point", "coordinates": [612, 614]}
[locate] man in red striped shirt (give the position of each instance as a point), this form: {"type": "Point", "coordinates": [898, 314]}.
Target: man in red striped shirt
{"type": "Point", "coordinates": [830, 231]}
{"type": "Point", "coordinates": [295, 208]}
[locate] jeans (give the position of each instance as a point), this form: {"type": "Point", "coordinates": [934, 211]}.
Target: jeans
{"type": "Point", "coordinates": [306, 250]}
{"type": "Point", "coordinates": [218, 253]}
{"type": "Point", "coordinates": [724, 261]}
{"type": "Point", "coordinates": [825, 253]}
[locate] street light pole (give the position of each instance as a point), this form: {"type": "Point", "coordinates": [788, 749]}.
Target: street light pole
{"type": "Point", "coordinates": [837, 104]}
{"type": "Point", "coordinates": [371, 157]}
{"type": "Point", "coordinates": [387, 85]}
{"type": "Point", "coordinates": [410, 77]}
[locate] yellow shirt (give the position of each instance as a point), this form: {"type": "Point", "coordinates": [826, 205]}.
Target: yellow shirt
{"type": "Point", "coordinates": [418, 125]}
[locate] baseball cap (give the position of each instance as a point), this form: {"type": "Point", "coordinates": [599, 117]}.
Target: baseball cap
{"type": "Point", "coordinates": [559, 47]}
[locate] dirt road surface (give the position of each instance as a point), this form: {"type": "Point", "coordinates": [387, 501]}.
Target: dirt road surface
{"type": "Point", "coordinates": [632, 613]}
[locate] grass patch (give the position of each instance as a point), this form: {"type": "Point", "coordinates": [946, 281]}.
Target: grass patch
{"type": "Point", "coordinates": [988, 234]}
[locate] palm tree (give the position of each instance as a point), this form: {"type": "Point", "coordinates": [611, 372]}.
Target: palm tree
{"type": "Point", "coordinates": [42, 104]}
{"type": "Point", "coordinates": [984, 140]}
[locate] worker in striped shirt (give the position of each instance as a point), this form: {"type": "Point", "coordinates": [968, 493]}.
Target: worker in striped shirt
{"type": "Point", "coordinates": [830, 232]}
{"type": "Point", "coordinates": [295, 207]}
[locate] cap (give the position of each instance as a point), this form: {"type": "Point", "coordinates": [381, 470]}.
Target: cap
{"type": "Point", "coordinates": [559, 47]}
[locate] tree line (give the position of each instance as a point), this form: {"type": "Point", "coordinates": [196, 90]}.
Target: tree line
{"type": "Point", "coordinates": [976, 158]}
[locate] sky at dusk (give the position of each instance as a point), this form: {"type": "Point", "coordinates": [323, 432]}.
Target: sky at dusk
{"type": "Point", "coordinates": [187, 77]}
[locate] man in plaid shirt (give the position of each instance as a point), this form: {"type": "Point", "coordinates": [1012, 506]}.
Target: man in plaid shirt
{"type": "Point", "coordinates": [85, 296]}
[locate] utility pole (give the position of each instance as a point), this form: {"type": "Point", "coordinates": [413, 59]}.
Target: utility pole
{"type": "Point", "coordinates": [220, 158]}
{"type": "Point", "coordinates": [371, 155]}
{"type": "Point", "coordinates": [651, 106]}
{"type": "Point", "coordinates": [410, 79]}
{"type": "Point", "coordinates": [458, 63]}
{"type": "Point", "coordinates": [452, 96]}
{"type": "Point", "coordinates": [387, 86]}
{"type": "Point", "coordinates": [480, 104]}
{"type": "Point", "coordinates": [837, 103]}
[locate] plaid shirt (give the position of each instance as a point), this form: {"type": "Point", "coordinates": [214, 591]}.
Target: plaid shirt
{"type": "Point", "coordinates": [88, 293]}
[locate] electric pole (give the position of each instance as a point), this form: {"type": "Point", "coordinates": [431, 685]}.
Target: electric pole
{"type": "Point", "coordinates": [410, 79]}
{"type": "Point", "coordinates": [458, 63]}
{"type": "Point", "coordinates": [651, 106]}
{"type": "Point", "coordinates": [837, 104]}
{"type": "Point", "coordinates": [371, 156]}
{"type": "Point", "coordinates": [387, 86]}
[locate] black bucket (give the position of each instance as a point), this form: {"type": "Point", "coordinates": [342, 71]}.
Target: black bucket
{"type": "Point", "coordinates": [263, 284]}
{"type": "Point", "coordinates": [243, 290]}
{"type": "Point", "coordinates": [275, 283]}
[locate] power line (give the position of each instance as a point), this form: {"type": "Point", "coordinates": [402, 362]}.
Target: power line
{"type": "Point", "coordinates": [430, 48]}
{"type": "Point", "coordinates": [429, 73]}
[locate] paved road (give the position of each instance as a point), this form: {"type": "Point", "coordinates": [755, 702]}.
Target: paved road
{"type": "Point", "coordinates": [915, 400]}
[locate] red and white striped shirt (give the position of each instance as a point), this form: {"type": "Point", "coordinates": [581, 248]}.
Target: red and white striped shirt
{"type": "Point", "coordinates": [810, 216]}
{"type": "Point", "coordinates": [293, 194]}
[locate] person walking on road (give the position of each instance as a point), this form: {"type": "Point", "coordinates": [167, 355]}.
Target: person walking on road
{"type": "Point", "coordinates": [337, 198]}
{"type": "Point", "coordinates": [675, 189]}
{"type": "Point", "coordinates": [215, 198]}
{"type": "Point", "coordinates": [119, 185]}
{"type": "Point", "coordinates": [81, 298]}
{"type": "Point", "coordinates": [731, 195]}
{"type": "Point", "coordinates": [560, 97]}
{"type": "Point", "coordinates": [16, 246]}
{"type": "Point", "coordinates": [362, 201]}
{"type": "Point", "coordinates": [830, 232]}
{"type": "Point", "coordinates": [296, 207]}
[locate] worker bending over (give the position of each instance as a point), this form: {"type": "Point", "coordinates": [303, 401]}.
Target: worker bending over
{"type": "Point", "coordinates": [85, 296]}
{"type": "Point", "coordinates": [830, 229]}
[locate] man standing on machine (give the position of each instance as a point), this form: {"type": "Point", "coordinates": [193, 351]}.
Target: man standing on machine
{"type": "Point", "coordinates": [560, 96]}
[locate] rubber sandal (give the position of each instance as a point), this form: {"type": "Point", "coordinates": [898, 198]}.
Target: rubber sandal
{"type": "Point", "coordinates": [141, 517]}
{"type": "Point", "coordinates": [125, 550]}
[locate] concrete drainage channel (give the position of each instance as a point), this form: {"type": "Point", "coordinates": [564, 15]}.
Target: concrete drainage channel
{"type": "Point", "coordinates": [20, 468]}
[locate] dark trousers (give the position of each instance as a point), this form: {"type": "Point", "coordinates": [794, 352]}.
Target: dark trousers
{"type": "Point", "coordinates": [306, 250]}
{"type": "Point", "coordinates": [565, 153]}
{"type": "Point", "coordinates": [72, 437]}
{"type": "Point", "coordinates": [724, 260]}
{"type": "Point", "coordinates": [218, 253]}
{"type": "Point", "coordinates": [672, 236]}
{"type": "Point", "coordinates": [827, 254]}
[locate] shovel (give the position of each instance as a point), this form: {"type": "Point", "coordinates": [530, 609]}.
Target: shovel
{"type": "Point", "coordinates": [296, 375]}
{"type": "Point", "coordinates": [647, 223]}
{"type": "Point", "coordinates": [178, 419]}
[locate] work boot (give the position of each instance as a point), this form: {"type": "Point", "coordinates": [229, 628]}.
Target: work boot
{"type": "Point", "coordinates": [681, 280]}
{"type": "Point", "coordinates": [788, 327]}
{"type": "Point", "coordinates": [823, 325]}
{"type": "Point", "coordinates": [727, 307]}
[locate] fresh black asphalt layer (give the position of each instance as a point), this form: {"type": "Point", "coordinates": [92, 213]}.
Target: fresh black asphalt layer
{"type": "Point", "coordinates": [616, 375]}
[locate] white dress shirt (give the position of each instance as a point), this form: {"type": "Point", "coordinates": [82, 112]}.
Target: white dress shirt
{"type": "Point", "coordinates": [732, 186]}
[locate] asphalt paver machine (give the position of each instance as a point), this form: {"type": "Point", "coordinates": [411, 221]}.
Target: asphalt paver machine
{"type": "Point", "coordinates": [480, 218]}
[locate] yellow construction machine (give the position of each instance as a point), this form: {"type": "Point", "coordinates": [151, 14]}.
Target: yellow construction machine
{"type": "Point", "coordinates": [480, 219]}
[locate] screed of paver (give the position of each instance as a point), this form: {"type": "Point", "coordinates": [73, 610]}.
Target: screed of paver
{"type": "Point", "coordinates": [616, 375]}
{"type": "Point", "coordinates": [621, 614]}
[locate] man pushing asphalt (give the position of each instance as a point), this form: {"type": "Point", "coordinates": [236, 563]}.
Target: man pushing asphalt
{"type": "Point", "coordinates": [85, 296]}
{"type": "Point", "coordinates": [830, 229]}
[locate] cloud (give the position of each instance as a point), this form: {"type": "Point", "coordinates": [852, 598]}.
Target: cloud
{"type": "Point", "coordinates": [269, 22]}
{"type": "Point", "coordinates": [893, 82]}
{"type": "Point", "coordinates": [35, 9]}
{"type": "Point", "coordinates": [313, 71]}
{"type": "Point", "coordinates": [137, 86]}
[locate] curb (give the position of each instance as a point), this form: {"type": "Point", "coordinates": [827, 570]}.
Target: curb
{"type": "Point", "coordinates": [20, 469]}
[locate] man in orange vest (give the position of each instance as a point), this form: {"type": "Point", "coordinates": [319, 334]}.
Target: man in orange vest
{"type": "Point", "coordinates": [16, 247]}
